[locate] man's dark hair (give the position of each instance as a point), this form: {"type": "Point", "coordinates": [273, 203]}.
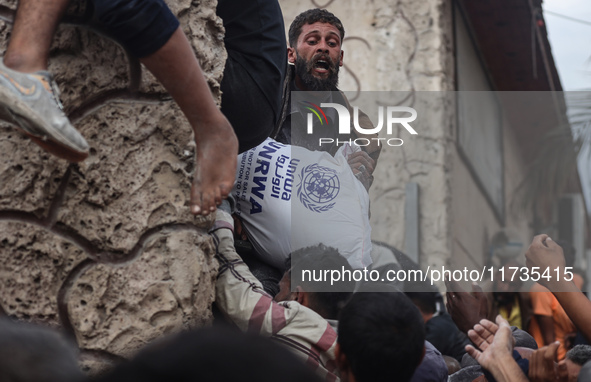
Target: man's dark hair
{"type": "Point", "coordinates": [312, 16]}
{"type": "Point", "coordinates": [580, 354]}
{"type": "Point", "coordinates": [382, 336]}
{"type": "Point", "coordinates": [211, 355]}
{"type": "Point", "coordinates": [31, 353]}
{"type": "Point", "coordinates": [307, 268]}
{"type": "Point", "coordinates": [425, 301]}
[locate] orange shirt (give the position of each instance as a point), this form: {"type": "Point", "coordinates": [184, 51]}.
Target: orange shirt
{"type": "Point", "coordinates": [545, 304]}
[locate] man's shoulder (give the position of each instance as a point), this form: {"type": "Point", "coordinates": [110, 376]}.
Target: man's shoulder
{"type": "Point", "coordinates": [306, 325]}
{"type": "Point", "coordinates": [309, 336]}
{"type": "Point", "coordinates": [299, 314]}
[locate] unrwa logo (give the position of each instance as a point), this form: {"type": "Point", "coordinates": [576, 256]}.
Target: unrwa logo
{"type": "Point", "coordinates": [318, 187]}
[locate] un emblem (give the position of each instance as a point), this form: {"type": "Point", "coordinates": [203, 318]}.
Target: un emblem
{"type": "Point", "coordinates": [318, 187]}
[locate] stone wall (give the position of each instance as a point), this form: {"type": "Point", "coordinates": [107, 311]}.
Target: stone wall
{"type": "Point", "coordinates": [107, 249]}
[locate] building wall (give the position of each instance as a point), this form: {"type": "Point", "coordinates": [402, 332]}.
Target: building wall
{"type": "Point", "coordinates": [474, 220]}
{"type": "Point", "coordinates": [492, 161]}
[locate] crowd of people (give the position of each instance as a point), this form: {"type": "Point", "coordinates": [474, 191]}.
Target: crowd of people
{"type": "Point", "coordinates": [272, 323]}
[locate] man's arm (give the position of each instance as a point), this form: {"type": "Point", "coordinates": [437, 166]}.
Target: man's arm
{"type": "Point", "coordinates": [363, 167]}
{"type": "Point", "coordinates": [546, 324]}
{"type": "Point", "coordinates": [240, 296]}
{"type": "Point", "coordinates": [466, 309]}
{"type": "Point", "coordinates": [495, 342]}
{"type": "Point", "coordinates": [577, 306]}
{"type": "Point", "coordinates": [544, 252]}
{"type": "Point", "coordinates": [373, 149]}
{"type": "Point", "coordinates": [543, 367]}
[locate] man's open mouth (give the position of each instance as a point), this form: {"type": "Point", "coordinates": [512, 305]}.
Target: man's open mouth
{"type": "Point", "coordinates": [322, 66]}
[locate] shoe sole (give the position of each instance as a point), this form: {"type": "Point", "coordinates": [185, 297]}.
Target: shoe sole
{"type": "Point", "coordinates": [58, 150]}
{"type": "Point", "coordinates": [21, 113]}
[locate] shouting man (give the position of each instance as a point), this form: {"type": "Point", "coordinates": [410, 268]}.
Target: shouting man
{"type": "Point", "coordinates": [315, 55]}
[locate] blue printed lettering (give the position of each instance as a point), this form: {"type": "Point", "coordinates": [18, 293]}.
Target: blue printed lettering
{"type": "Point", "coordinates": [255, 207]}
{"type": "Point", "coordinates": [259, 181]}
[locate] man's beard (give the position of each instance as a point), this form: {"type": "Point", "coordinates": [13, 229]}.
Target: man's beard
{"type": "Point", "coordinates": [304, 72]}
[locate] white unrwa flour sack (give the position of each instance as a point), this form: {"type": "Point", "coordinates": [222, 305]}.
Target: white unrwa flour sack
{"type": "Point", "coordinates": [289, 198]}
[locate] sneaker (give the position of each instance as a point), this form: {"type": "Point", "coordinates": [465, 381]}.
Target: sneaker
{"type": "Point", "coordinates": [32, 99]}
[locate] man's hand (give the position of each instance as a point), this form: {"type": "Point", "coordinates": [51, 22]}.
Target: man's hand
{"type": "Point", "coordinates": [495, 342]}
{"type": "Point", "coordinates": [466, 309]}
{"type": "Point", "coordinates": [543, 367]}
{"type": "Point", "coordinates": [363, 167]}
{"type": "Point", "coordinates": [484, 332]}
{"type": "Point", "coordinates": [545, 254]}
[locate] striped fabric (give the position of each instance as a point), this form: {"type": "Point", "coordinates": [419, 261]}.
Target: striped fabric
{"type": "Point", "coordinates": [241, 297]}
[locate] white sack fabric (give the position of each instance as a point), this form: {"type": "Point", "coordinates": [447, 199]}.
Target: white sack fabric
{"type": "Point", "coordinates": [289, 198]}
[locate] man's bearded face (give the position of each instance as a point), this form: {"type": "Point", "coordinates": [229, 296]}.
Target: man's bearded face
{"type": "Point", "coordinates": [320, 73]}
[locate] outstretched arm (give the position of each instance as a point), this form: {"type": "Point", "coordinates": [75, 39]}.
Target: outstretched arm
{"type": "Point", "coordinates": [545, 253]}
{"type": "Point", "coordinates": [240, 296]}
{"type": "Point", "coordinates": [543, 367]}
